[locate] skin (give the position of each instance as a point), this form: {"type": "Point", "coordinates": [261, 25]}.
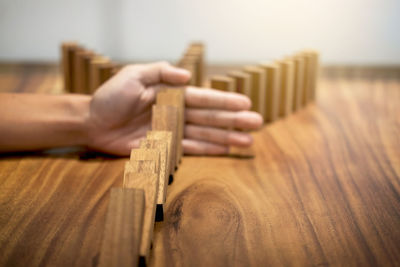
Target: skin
{"type": "Point", "coordinates": [117, 116]}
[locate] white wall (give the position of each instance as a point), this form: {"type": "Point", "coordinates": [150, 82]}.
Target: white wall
{"type": "Point", "coordinates": [345, 31]}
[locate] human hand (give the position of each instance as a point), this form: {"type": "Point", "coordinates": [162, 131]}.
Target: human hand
{"type": "Point", "coordinates": [120, 112]}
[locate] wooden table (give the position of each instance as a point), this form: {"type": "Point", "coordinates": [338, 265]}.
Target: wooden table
{"type": "Point", "coordinates": [323, 189]}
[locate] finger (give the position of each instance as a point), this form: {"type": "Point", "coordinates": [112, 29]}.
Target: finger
{"type": "Point", "coordinates": [218, 136]}
{"type": "Point", "coordinates": [195, 147]}
{"type": "Point", "coordinates": [160, 72]}
{"type": "Point", "coordinates": [214, 99]}
{"type": "Point", "coordinates": [245, 120]}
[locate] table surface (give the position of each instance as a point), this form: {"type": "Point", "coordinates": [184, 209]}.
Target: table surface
{"type": "Point", "coordinates": [323, 188]}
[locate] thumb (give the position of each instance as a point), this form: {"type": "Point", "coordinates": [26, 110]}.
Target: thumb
{"type": "Point", "coordinates": [162, 72]}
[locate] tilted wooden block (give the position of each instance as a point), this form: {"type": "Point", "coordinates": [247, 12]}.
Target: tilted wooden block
{"type": "Point", "coordinates": [298, 62]}
{"type": "Point", "coordinates": [242, 82]}
{"type": "Point", "coordinates": [68, 52]}
{"type": "Point", "coordinates": [286, 88]}
{"type": "Point", "coordinates": [139, 166]}
{"type": "Point", "coordinates": [176, 98]}
{"type": "Point", "coordinates": [161, 146]}
{"type": "Point", "coordinates": [148, 182]}
{"type": "Point", "coordinates": [257, 88]}
{"type": "Point", "coordinates": [167, 137]}
{"type": "Point", "coordinates": [123, 228]}
{"type": "Point", "coordinates": [165, 118]}
{"type": "Point", "coordinates": [95, 79]}
{"type": "Point", "coordinates": [145, 154]}
{"type": "Point", "coordinates": [272, 91]}
{"type": "Point", "coordinates": [223, 83]}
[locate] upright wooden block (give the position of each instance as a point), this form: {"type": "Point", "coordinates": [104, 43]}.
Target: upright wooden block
{"type": "Point", "coordinates": [68, 51]}
{"type": "Point", "coordinates": [148, 182]}
{"type": "Point", "coordinates": [81, 71]}
{"type": "Point", "coordinates": [298, 62]}
{"type": "Point", "coordinates": [191, 67]}
{"type": "Point", "coordinates": [307, 77]}
{"type": "Point", "coordinates": [165, 118]}
{"type": "Point", "coordinates": [287, 83]}
{"type": "Point", "coordinates": [222, 83]}
{"type": "Point", "coordinates": [242, 82]}
{"type": "Point", "coordinates": [257, 88]}
{"type": "Point", "coordinates": [314, 74]}
{"type": "Point", "coordinates": [272, 90]}
{"type": "Point", "coordinates": [95, 72]}
{"type": "Point", "coordinates": [123, 228]}
{"type": "Point", "coordinates": [167, 137]}
{"type": "Point", "coordinates": [161, 146]}
{"type": "Point", "coordinates": [176, 98]}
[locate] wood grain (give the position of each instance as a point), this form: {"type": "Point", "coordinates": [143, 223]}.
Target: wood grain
{"type": "Point", "coordinates": [166, 136]}
{"type": "Point", "coordinates": [123, 228]}
{"type": "Point", "coordinates": [323, 189]}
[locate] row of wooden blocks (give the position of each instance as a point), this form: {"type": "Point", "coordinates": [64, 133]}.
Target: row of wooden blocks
{"type": "Point", "coordinates": [277, 88]}
{"type": "Point", "coordinates": [83, 69]}
{"type": "Point", "coordinates": [193, 61]}
{"type": "Point", "coordinates": [133, 209]}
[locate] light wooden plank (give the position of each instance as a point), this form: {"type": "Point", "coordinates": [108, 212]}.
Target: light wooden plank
{"type": "Point", "coordinates": [123, 228]}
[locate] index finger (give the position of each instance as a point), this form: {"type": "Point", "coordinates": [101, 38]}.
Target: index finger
{"type": "Point", "coordinates": [215, 99]}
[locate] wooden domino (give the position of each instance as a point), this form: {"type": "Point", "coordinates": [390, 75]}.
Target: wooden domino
{"type": "Point", "coordinates": [242, 82]}
{"type": "Point", "coordinates": [123, 228]}
{"type": "Point", "coordinates": [298, 88]}
{"type": "Point", "coordinates": [167, 137]}
{"type": "Point", "coordinates": [81, 71]}
{"type": "Point", "coordinates": [95, 79]}
{"type": "Point", "coordinates": [272, 91]}
{"type": "Point", "coordinates": [286, 87]}
{"type": "Point", "coordinates": [68, 52]}
{"type": "Point", "coordinates": [222, 83]}
{"type": "Point", "coordinates": [257, 88]}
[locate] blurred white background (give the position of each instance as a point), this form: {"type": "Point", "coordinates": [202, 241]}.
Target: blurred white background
{"type": "Point", "coordinates": [234, 31]}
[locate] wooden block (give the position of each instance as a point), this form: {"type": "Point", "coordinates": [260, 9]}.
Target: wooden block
{"type": "Point", "coordinates": [176, 98]}
{"type": "Point", "coordinates": [106, 71]}
{"type": "Point", "coordinates": [81, 71]}
{"type": "Point", "coordinates": [257, 88]}
{"type": "Point", "coordinates": [139, 166]}
{"type": "Point", "coordinates": [95, 73]}
{"type": "Point", "coordinates": [272, 91]}
{"type": "Point", "coordinates": [286, 88]}
{"type": "Point", "coordinates": [123, 228]}
{"type": "Point", "coordinates": [298, 62]}
{"type": "Point", "coordinates": [222, 83]}
{"type": "Point", "coordinates": [242, 82]}
{"type": "Point", "coordinates": [314, 74]}
{"type": "Point", "coordinates": [161, 146]}
{"type": "Point", "coordinates": [308, 68]}
{"type": "Point", "coordinates": [192, 63]}
{"type": "Point", "coordinates": [68, 51]}
{"type": "Point", "coordinates": [189, 67]}
{"type": "Point", "coordinates": [167, 137]}
{"type": "Point", "coordinates": [165, 118]}
{"type": "Point", "coordinates": [148, 182]}
{"type": "Point", "coordinates": [142, 154]}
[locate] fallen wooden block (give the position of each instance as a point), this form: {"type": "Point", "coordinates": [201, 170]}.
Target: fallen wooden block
{"type": "Point", "coordinates": [68, 52]}
{"type": "Point", "coordinates": [166, 136]}
{"type": "Point", "coordinates": [257, 88]}
{"type": "Point", "coordinates": [165, 118]}
{"type": "Point", "coordinates": [272, 91]}
{"type": "Point", "coordinates": [161, 147]}
{"type": "Point", "coordinates": [148, 182]}
{"type": "Point", "coordinates": [175, 98]}
{"type": "Point", "coordinates": [242, 82]}
{"type": "Point", "coordinates": [123, 228]}
{"type": "Point", "coordinates": [298, 62]}
{"type": "Point", "coordinates": [286, 88]}
{"type": "Point", "coordinates": [222, 83]}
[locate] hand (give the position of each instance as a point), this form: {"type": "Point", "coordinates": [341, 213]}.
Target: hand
{"type": "Point", "coordinates": [120, 112]}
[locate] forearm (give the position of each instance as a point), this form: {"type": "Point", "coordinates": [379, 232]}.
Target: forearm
{"type": "Point", "coordinates": [35, 121]}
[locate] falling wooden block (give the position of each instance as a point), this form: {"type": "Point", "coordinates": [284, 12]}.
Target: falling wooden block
{"type": "Point", "coordinates": [165, 118]}
{"type": "Point", "coordinates": [96, 78]}
{"type": "Point", "coordinates": [257, 88]}
{"type": "Point", "coordinates": [222, 83]}
{"type": "Point", "coordinates": [167, 137]}
{"type": "Point", "coordinates": [242, 82]}
{"type": "Point", "coordinates": [68, 51]}
{"type": "Point", "coordinates": [81, 71]}
{"type": "Point", "coordinates": [272, 91]}
{"type": "Point", "coordinates": [161, 146]}
{"type": "Point", "coordinates": [176, 98]}
{"type": "Point", "coordinates": [149, 166]}
{"type": "Point", "coordinates": [298, 62]}
{"type": "Point", "coordinates": [123, 228]}
{"type": "Point", "coordinates": [286, 88]}
{"type": "Point", "coordinates": [148, 182]}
